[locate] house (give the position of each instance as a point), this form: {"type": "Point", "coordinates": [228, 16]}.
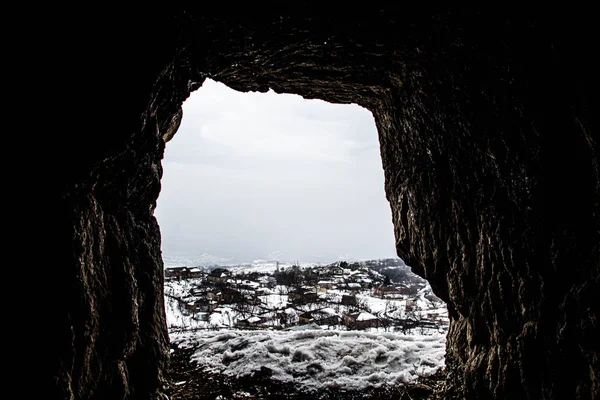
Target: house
{"type": "Point", "coordinates": [202, 291]}
{"type": "Point", "coordinates": [407, 290]}
{"type": "Point", "coordinates": [195, 273]}
{"type": "Point", "coordinates": [324, 316]}
{"type": "Point", "coordinates": [387, 291]}
{"type": "Point", "coordinates": [323, 286]}
{"type": "Point", "coordinates": [289, 316]}
{"type": "Point", "coordinates": [202, 305]}
{"type": "Point", "coordinates": [176, 272]}
{"type": "Point", "coordinates": [198, 291]}
{"type": "Point", "coordinates": [229, 295]}
{"type": "Point", "coordinates": [219, 275]}
{"type": "Point", "coordinates": [252, 322]}
{"type": "Point", "coordinates": [249, 285]}
{"type": "Point", "coordinates": [349, 300]}
{"type": "Point", "coordinates": [295, 295]}
{"type": "Point", "coordinates": [267, 281]}
{"type": "Point", "coordinates": [262, 291]}
{"type": "Point", "coordinates": [361, 320]}
{"type": "Point", "coordinates": [253, 300]}
{"type": "Point", "coordinates": [302, 295]}
{"type": "Point", "coordinates": [436, 315]}
{"type": "Point", "coordinates": [336, 271]}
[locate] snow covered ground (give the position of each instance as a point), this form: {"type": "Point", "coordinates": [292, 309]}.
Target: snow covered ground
{"type": "Point", "coordinates": [318, 358]}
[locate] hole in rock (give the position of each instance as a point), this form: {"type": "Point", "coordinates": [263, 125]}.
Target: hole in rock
{"type": "Point", "coordinates": [279, 253]}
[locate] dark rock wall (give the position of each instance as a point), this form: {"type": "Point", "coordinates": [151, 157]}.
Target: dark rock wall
{"type": "Point", "coordinates": [490, 154]}
{"type": "Point", "coordinates": [104, 334]}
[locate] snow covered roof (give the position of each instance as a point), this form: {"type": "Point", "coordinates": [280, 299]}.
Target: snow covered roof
{"type": "Point", "coordinates": [253, 319]}
{"type": "Point", "coordinates": [365, 316]}
{"type": "Point", "coordinates": [328, 310]}
{"type": "Point", "coordinates": [195, 270]}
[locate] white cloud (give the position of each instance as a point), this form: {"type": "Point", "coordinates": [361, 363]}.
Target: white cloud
{"type": "Point", "coordinates": [250, 174]}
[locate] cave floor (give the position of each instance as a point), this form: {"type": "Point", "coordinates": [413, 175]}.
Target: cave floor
{"type": "Point", "coordinates": [187, 381]}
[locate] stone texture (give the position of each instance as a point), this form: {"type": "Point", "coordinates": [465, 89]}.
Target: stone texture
{"type": "Point", "coordinates": [490, 152]}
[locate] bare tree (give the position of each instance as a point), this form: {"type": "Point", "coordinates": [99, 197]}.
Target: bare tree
{"type": "Point", "coordinates": [363, 304]}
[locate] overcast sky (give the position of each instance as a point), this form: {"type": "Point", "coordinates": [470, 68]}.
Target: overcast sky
{"type": "Point", "coordinates": [272, 176]}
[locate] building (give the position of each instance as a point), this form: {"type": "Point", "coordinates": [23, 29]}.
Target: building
{"type": "Point", "coordinates": [324, 316]}
{"type": "Point", "coordinates": [248, 323]}
{"type": "Point", "coordinates": [302, 295]}
{"type": "Point", "coordinates": [195, 273]}
{"type": "Point", "coordinates": [323, 286]}
{"type": "Point", "coordinates": [388, 291]}
{"type": "Point", "coordinates": [336, 270]}
{"type": "Point", "coordinates": [249, 285]}
{"type": "Point", "coordinates": [361, 320]}
{"type": "Point", "coordinates": [252, 300]}
{"type": "Point", "coordinates": [349, 300]}
{"type": "Point", "coordinates": [229, 295]}
{"type": "Point", "coordinates": [219, 275]}
{"type": "Point", "coordinates": [176, 272]}
{"type": "Point", "coordinates": [202, 305]}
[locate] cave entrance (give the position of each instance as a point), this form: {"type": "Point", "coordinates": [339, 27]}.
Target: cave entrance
{"type": "Point", "coordinates": [274, 222]}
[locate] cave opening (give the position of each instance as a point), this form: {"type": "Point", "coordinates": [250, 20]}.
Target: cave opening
{"type": "Point", "coordinates": [489, 152]}
{"type": "Point", "coordinates": [274, 221]}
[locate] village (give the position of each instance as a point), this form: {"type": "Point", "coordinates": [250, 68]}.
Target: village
{"type": "Point", "coordinates": [377, 295]}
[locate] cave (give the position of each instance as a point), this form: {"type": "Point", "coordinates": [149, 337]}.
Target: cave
{"type": "Point", "coordinates": [487, 132]}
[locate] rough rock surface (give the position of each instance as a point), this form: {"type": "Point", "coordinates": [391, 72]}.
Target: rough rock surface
{"type": "Point", "coordinates": [489, 145]}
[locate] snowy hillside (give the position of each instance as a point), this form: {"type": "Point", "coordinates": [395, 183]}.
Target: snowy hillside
{"type": "Point", "coordinates": [340, 325]}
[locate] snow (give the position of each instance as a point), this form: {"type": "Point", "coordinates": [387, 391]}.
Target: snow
{"type": "Point", "coordinates": [276, 299]}
{"type": "Point", "coordinates": [328, 310]}
{"type": "Point", "coordinates": [365, 316]}
{"type": "Point", "coordinates": [316, 358]}
{"type": "Point", "coordinates": [310, 355]}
